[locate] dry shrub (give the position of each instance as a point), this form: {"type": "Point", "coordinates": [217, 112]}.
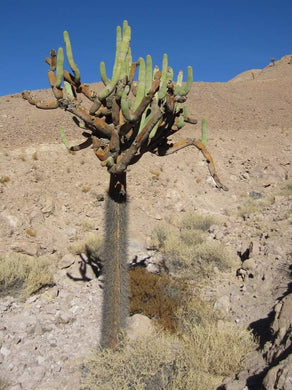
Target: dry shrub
{"type": "Point", "coordinates": [3, 385]}
{"type": "Point", "coordinates": [160, 234]}
{"type": "Point", "coordinates": [92, 245]}
{"type": "Point", "coordinates": [22, 275]}
{"type": "Point", "coordinates": [140, 364]}
{"type": "Point", "coordinates": [286, 189]}
{"type": "Point", "coordinates": [211, 352]}
{"type": "Point", "coordinates": [156, 296]}
{"type": "Point", "coordinates": [204, 351]}
{"type": "Point", "coordinates": [194, 221]}
{"type": "Point", "coordinates": [248, 207]}
{"type": "Point", "coordinates": [188, 250]}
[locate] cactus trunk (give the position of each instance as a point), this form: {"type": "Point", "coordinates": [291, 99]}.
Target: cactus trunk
{"type": "Point", "coordinates": [115, 302]}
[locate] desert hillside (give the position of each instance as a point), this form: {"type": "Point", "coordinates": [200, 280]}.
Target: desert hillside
{"type": "Point", "coordinates": [52, 199]}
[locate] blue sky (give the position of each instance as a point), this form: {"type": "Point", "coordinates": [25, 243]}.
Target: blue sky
{"type": "Point", "coordinates": [218, 38]}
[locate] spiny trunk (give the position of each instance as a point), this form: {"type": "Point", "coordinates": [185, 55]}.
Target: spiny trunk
{"type": "Point", "coordinates": [115, 301]}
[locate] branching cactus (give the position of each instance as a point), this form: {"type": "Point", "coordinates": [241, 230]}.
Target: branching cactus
{"type": "Point", "coordinates": [132, 115]}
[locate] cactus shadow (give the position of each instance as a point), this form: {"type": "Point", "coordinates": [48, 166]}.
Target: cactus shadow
{"type": "Point", "coordinates": [89, 267]}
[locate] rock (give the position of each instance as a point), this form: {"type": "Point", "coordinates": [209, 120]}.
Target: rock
{"type": "Point", "coordinates": [48, 206]}
{"type": "Point", "coordinates": [17, 386]}
{"type": "Point", "coordinates": [280, 376]}
{"type": "Point", "coordinates": [139, 326]}
{"type": "Point", "coordinates": [223, 304]}
{"type": "Point", "coordinates": [255, 195]}
{"type": "Point", "coordinates": [26, 247]}
{"type": "Point", "coordinates": [36, 217]}
{"type": "Point", "coordinates": [5, 352]}
{"type": "Point", "coordinates": [66, 261]}
{"type": "Point", "coordinates": [250, 265]}
{"type": "Point", "coordinates": [281, 328]}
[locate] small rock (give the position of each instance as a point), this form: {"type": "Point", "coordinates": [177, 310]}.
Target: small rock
{"type": "Point", "coordinates": [250, 265]}
{"type": "Point", "coordinates": [17, 386]}
{"type": "Point", "coordinates": [66, 261]}
{"type": "Point", "coordinates": [4, 351]}
{"type": "Point", "coordinates": [48, 206]}
{"type": "Point", "coordinates": [255, 195]}
{"type": "Point", "coordinates": [153, 268]}
{"type": "Point", "coordinates": [99, 197]}
{"type": "Point", "coordinates": [223, 304]}
{"type": "Point", "coordinates": [139, 326]}
{"type": "Point", "coordinates": [26, 247]}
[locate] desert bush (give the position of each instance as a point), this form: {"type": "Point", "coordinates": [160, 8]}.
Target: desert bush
{"type": "Point", "coordinates": [203, 352]}
{"type": "Point", "coordinates": [159, 235]}
{"type": "Point", "coordinates": [286, 189]}
{"type": "Point", "coordinates": [92, 245]}
{"type": "Point", "coordinates": [188, 250]}
{"type": "Point", "coordinates": [3, 385]}
{"type": "Point", "coordinates": [22, 275]}
{"type": "Point", "coordinates": [142, 364]}
{"type": "Point", "coordinates": [248, 207]}
{"type": "Point", "coordinates": [211, 352]}
{"type": "Point", "coordinates": [195, 221]}
{"type": "Point", "coordinates": [157, 296]}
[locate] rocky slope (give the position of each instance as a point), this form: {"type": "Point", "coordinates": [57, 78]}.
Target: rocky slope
{"type": "Point", "coordinates": [50, 199]}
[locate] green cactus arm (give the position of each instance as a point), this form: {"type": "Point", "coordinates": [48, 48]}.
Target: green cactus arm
{"type": "Point", "coordinates": [59, 67]}
{"type": "Point", "coordinates": [179, 78]}
{"type": "Point", "coordinates": [140, 93]}
{"type": "Point", "coordinates": [64, 138]}
{"type": "Point", "coordinates": [111, 85]}
{"type": "Point", "coordinates": [203, 138]}
{"type": "Point", "coordinates": [180, 121]}
{"type": "Point", "coordinates": [184, 90]}
{"type": "Point", "coordinates": [103, 75]}
{"type": "Point", "coordinates": [70, 58]}
{"type": "Point", "coordinates": [126, 105]}
{"type": "Point", "coordinates": [69, 90]}
{"type": "Point", "coordinates": [149, 74]}
{"type": "Point", "coordinates": [154, 130]}
{"type": "Point", "coordinates": [163, 80]}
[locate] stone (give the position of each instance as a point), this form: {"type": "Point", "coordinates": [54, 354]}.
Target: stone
{"type": "Point", "coordinates": [139, 326]}
{"type": "Point", "coordinates": [26, 247]}
{"type": "Point", "coordinates": [279, 376]}
{"type": "Point", "coordinates": [223, 304]}
{"type": "Point", "coordinates": [66, 261]}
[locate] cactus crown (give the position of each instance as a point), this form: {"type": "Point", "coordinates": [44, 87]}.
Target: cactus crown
{"type": "Point", "coordinates": [127, 118]}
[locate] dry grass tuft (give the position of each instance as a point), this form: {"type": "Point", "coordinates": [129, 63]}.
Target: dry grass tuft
{"type": "Point", "coordinates": [92, 245]}
{"type": "Point", "coordinates": [22, 275]}
{"type": "Point", "coordinates": [4, 179]}
{"type": "Point", "coordinates": [286, 189]}
{"type": "Point", "coordinates": [198, 357]}
{"type": "Point", "coordinates": [188, 250]}
{"type": "Point", "coordinates": [3, 385]}
{"type": "Point", "coordinates": [138, 365]}
{"type": "Point", "coordinates": [194, 221]}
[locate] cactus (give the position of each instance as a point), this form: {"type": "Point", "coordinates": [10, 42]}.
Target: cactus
{"type": "Point", "coordinates": [125, 120]}
{"type": "Point", "coordinates": [59, 67]}
{"type": "Point", "coordinates": [204, 132]}
{"type": "Point", "coordinates": [70, 58]}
